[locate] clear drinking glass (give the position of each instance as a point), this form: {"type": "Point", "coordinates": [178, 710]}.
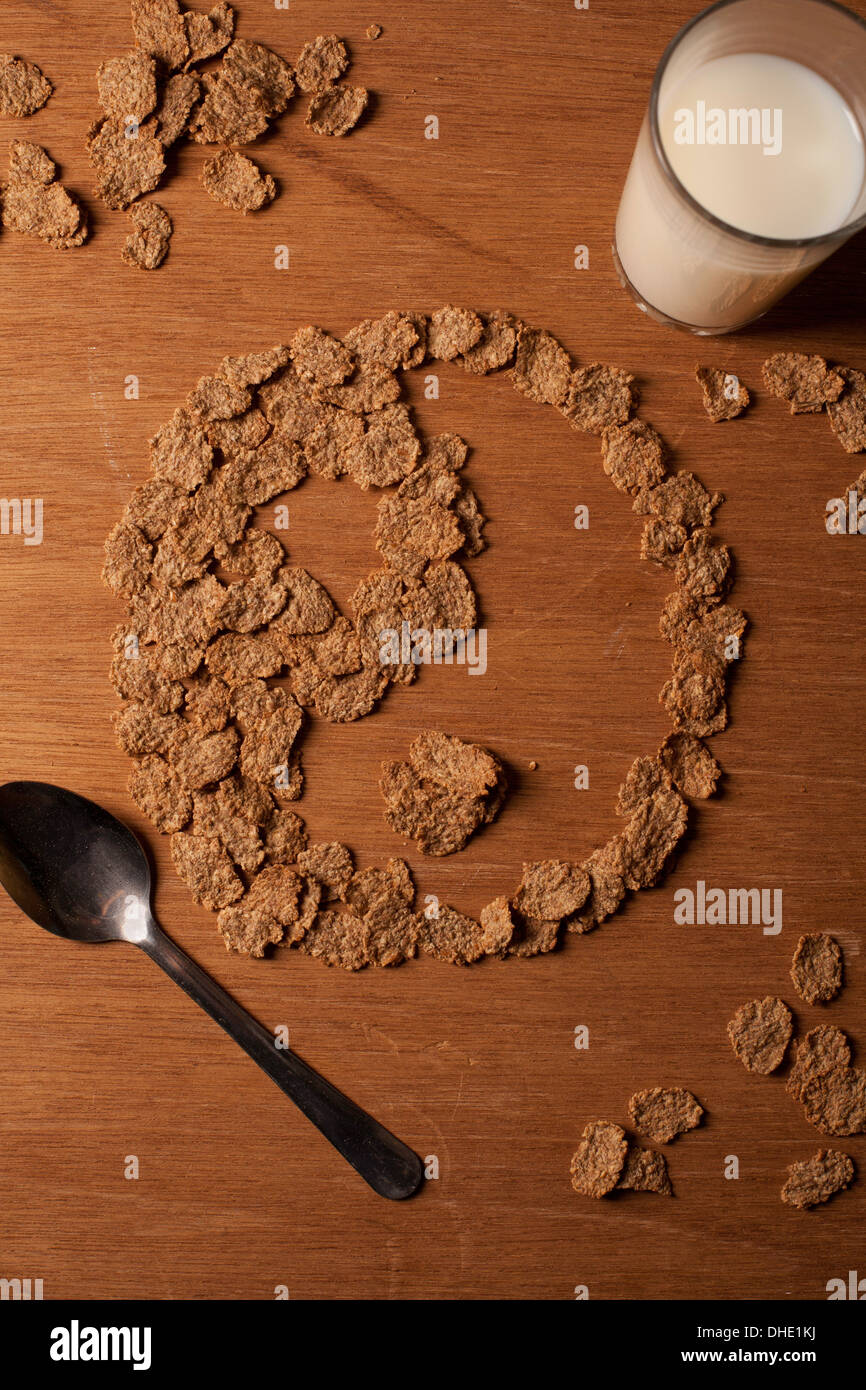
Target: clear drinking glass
{"type": "Point", "coordinates": [683, 265]}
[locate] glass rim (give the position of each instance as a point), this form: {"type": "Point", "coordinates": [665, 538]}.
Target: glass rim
{"type": "Point", "coordinates": [842, 233]}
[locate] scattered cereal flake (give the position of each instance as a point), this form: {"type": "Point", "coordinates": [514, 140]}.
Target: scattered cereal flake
{"type": "Point", "coordinates": [202, 758]}
{"type": "Point", "coordinates": [248, 931]}
{"type": "Point", "coordinates": [206, 869]}
{"type": "Point", "coordinates": [599, 1160]}
{"type": "Point", "coordinates": [848, 412]}
{"type": "Point", "coordinates": [127, 560]}
{"type": "Point", "coordinates": [599, 396]}
{"type": "Point", "coordinates": [368, 885]}
{"type": "Point", "coordinates": [127, 86]}
{"type": "Point", "coordinates": [215, 398]}
{"type": "Point", "coordinates": [692, 626]}
{"type": "Point", "coordinates": [645, 1170]}
{"type": "Point", "coordinates": [690, 766]}
{"type": "Point", "coordinates": [662, 1113]}
{"type": "Point", "coordinates": [760, 1032]}
{"type": "Point", "coordinates": [267, 745]}
{"type": "Point", "coordinates": [308, 608]}
{"type": "Point", "coordinates": [662, 542]}
{"type": "Point", "coordinates": [192, 616]}
{"type": "Point", "coordinates": [451, 937]}
{"type": "Point", "coordinates": [275, 892]}
{"type": "Point", "coordinates": [650, 838]}
{"type": "Point", "coordinates": [322, 61]}
{"type": "Point", "coordinates": [542, 368]}
{"type": "Point", "coordinates": [448, 760]}
{"type": "Point", "coordinates": [285, 837]}
{"type": "Point", "coordinates": [338, 938]}
{"type": "Point", "coordinates": [326, 448]}
{"type": "Point", "coordinates": [136, 676]}
{"type": "Point", "coordinates": [817, 968]}
{"type": "Point", "coordinates": [253, 67]}
{"type": "Point", "coordinates": [208, 34]}
{"type": "Point", "coordinates": [411, 531]}
{"type": "Point", "coordinates": [23, 87]}
{"type": "Point", "coordinates": [34, 203]}
{"type": "Point", "coordinates": [337, 110]}
{"type": "Point", "coordinates": [161, 795]}
{"type": "Point", "coordinates": [370, 389]}
{"type": "Point", "coordinates": [159, 31]}
{"type": "Point", "coordinates": [241, 656]}
{"type": "Point", "coordinates": [251, 603]}
{"type": "Point", "coordinates": [180, 452]}
{"type": "Point", "coordinates": [147, 245]}
{"type": "Point", "coordinates": [535, 936]}
{"type": "Point", "coordinates": [240, 434]}
{"type": "Point", "coordinates": [807, 382]}
{"type": "Point", "coordinates": [681, 500]}
{"type": "Point", "coordinates": [607, 888]}
{"type": "Point", "coordinates": [818, 1178]}
{"type": "Point", "coordinates": [694, 697]}
{"type": "Point", "coordinates": [127, 165]}
{"type": "Point", "coordinates": [252, 701]}
{"type": "Point", "coordinates": [391, 341]}
{"type": "Point", "coordinates": [387, 451]}
{"type": "Point", "coordinates": [30, 163]}
{"type": "Point", "coordinates": [821, 1050]}
{"type": "Point", "coordinates": [446, 790]}
{"type": "Point", "coordinates": [177, 99]}
{"type": "Point", "coordinates": [644, 779]}
{"type": "Point", "coordinates": [496, 346]}
{"type": "Point", "coordinates": [453, 332]}
{"type": "Point", "coordinates": [392, 930]}
{"type": "Point", "coordinates": [256, 553]}
{"type": "Point", "coordinates": [320, 358]}
{"type": "Point", "coordinates": [207, 702]}
{"type": "Point", "coordinates": [472, 522]}
{"type": "Point", "coordinates": [835, 1102]}
{"type": "Point", "coordinates": [254, 367]}
{"type": "Point", "coordinates": [273, 468]}
{"type": "Point", "coordinates": [446, 453]}
{"type": "Point", "coordinates": [237, 182]}
{"type": "Point", "coordinates": [227, 114]}
{"type": "Point", "coordinates": [331, 865]}
{"type": "Point", "coordinates": [551, 889]}
{"type": "Point", "coordinates": [216, 815]}
{"type": "Point", "coordinates": [342, 699]}
{"type": "Point", "coordinates": [290, 405]}
{"type": "Point", "coordinates": [139, 729]}
{"type": "Point", "coordinates": [498, 927]}
{"type": "Point", "coordinates": [704, 568]}
{"type": "Point", "coordinates": [448, 585]}
{"type": "Point", "coordinates": [633, 456]}
{"type": "Point", "coordinates": [724, 395]}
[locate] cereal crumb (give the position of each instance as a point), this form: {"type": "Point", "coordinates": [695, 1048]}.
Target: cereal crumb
{"type": "Point", "coordinates": [661, 1114]}
{"type": "Point", "coordinates": [817, 1179]}
{"type": "Point", "coordinates": [599, 1160]}
{"type": "Point", "coordinates": [760, 1032]}
{"type": "Point", "coordinates": [724, 395]}
{"type": "Point", "coordinates": [817, 968]}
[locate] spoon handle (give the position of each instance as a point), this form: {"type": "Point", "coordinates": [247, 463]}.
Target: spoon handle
{"type": "Point", "coordinates": [383, 1161]}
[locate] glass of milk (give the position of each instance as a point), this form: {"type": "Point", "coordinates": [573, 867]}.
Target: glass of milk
{"type": "Point", "coordinates": [750, 167]}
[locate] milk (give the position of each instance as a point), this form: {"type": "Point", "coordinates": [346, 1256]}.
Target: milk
{"type": "Point", "coordinates": [767, 146]}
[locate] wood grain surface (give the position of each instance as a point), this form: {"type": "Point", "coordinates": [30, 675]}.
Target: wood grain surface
{"type": "Point", "coordinates": [100, 1058]}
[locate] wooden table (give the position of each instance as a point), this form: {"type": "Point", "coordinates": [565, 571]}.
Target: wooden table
{"type": "Point", "coordinates": [538, 106]}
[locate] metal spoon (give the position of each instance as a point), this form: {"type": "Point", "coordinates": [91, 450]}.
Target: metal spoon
{"type": "Point", "coordinates": [80, 873]}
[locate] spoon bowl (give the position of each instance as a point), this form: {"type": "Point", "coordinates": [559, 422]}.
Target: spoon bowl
{"type": "Point", "coordinates": [71, 866]}
{"type": "Point", "coordinates": [81, 874]}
